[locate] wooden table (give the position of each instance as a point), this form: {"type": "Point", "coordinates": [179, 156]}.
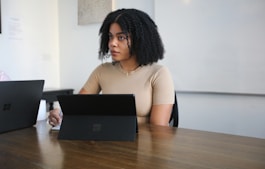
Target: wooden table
{"type": "Point", "coordinates": [155, 148]}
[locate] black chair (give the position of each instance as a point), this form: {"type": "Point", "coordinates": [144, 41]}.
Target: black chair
{"type": "Point", "coordinates": [174, 119]}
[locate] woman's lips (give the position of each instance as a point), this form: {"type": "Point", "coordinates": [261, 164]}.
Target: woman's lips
{"type": "Point", "coordinates": [114, 53]}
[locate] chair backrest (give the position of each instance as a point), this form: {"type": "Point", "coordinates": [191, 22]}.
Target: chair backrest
{"type": "Point", "coordinates": [174, 119]}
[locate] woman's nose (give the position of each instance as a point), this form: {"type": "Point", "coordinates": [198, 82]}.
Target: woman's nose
{"type": "Point", "coordinates": [113, 42]}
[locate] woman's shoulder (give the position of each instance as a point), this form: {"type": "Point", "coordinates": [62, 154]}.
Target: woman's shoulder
{"type": "Point", "coordinates": [105, 65]}
{"type": "Point", "coordinates": [104, 68]}
{"type": "Point", "coordinates": [155, 67]}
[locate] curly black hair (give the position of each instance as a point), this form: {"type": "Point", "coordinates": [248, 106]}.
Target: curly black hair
{"type": "Point", "coordinates": [146, 44]}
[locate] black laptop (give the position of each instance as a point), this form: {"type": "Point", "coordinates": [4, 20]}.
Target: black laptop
{"type": "Point", "coordinates": [99, 117]}
{"type": "Point", "coordinates": [19, 103]}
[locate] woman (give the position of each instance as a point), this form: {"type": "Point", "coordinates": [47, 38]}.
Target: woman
{"type": "Point", "coordinates": [131, 38]}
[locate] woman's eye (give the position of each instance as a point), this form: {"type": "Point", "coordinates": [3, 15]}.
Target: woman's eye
{"type": "Point", "coordinates": [121, 38]}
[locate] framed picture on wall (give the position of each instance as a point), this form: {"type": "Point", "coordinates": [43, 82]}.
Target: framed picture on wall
{"type": "Point", "coordinates": [93, 11]}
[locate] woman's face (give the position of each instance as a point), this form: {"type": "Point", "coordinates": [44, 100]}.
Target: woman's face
{"type": "Point", "coordinates": [119, 43]}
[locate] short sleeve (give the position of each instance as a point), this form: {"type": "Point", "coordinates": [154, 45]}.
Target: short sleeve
{"type": "Point", "coordinates": [92, 84]}
{"type": "Point", "coordinates": [163, 87]}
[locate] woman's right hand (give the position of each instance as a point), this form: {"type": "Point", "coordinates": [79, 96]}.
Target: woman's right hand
{"type": "Point", "coordinates": [55, 117]}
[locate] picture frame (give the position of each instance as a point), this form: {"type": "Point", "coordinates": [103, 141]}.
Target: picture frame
{"type": "Point", "coordinates": [93, 11]}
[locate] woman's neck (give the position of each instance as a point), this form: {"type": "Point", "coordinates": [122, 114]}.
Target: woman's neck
{"type": "Point", "coordinates": [128, 67]}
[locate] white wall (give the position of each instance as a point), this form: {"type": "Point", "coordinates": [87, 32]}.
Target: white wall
{"type": "Point", "coordinates": [29, 40]}
{"type": "Point", "coordinates": [41, 39]}
{"type": "Point", "coordinates": [214, 45]}
{"type": "Point", "coordinates": [217, 47]}
{"type": "Point", "coordinates": [222, 112]}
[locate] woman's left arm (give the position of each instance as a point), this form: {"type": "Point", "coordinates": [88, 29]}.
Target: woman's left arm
{"type": "Point", "coordinates": [160, 114]}
{"type": "Point", "coordinates": [163, 97]}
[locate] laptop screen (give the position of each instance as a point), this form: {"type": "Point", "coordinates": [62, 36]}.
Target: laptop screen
{"type": "Point", "coordinates": [104, 117]}
{"type": "Point", "coordinates": [19, 103]}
